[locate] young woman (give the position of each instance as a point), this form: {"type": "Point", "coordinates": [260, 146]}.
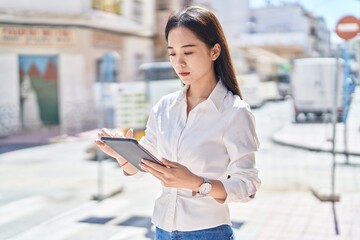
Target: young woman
{"type": "Point", "coordinates": [205, 135]}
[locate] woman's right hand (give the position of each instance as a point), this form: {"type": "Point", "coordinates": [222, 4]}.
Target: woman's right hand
{"type": "Point", "coordinates": [130, 169]}
{"type": "Point", "coordinates": [104, 132]}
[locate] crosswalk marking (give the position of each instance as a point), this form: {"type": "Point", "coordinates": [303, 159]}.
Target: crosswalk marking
{"type": "Point", "coordinates": [69, 223]}
{"type": "Point", "coordinates": [20, 208]}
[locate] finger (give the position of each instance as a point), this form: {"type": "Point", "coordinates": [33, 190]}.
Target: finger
{"type": "Point", "coordinates": [130, 133]}
{"type": "Point", "coordinates": [100, 134]}
{"type": "Point", "coordinates": [99, 142]}
{"type": "Point", "coordinates": [155, 166]}
{"type": "Point", "coordinates": [170, 163]}
{"type": "Point", "coordinates": [152, 171]}
{"type": "Point", "coordinates": [106, 132]}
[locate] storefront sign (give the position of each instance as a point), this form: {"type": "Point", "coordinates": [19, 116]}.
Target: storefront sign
{"type": "Point", "coordinates": [106, 40]}
{"type": "Point", "coordinates": [113, 6]}
{"type": "Point", "coordinates": [36, 36]}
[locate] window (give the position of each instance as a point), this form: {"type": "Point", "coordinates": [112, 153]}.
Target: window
{"type": "Point", "coordinates": [137, 10]}
{"type": "Point", "coordinates": [163, 5]}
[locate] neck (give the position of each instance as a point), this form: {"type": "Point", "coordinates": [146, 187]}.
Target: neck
{"type": "Point", "coordinates": [201, 90]}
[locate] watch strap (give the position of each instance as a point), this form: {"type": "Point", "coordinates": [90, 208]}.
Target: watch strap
{"type": "Point", "coordinates": [205, 180]}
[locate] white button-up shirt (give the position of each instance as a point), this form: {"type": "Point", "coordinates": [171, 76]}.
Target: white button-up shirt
{"type": "Point", "coordinates": [217, 140]}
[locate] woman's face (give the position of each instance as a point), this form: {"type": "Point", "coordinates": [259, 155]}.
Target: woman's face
{"type": "Point", "coordinates": [191, 59]}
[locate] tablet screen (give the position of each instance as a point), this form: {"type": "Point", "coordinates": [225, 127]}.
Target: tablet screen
{"type": "Point", "coordinates": [131, 150]}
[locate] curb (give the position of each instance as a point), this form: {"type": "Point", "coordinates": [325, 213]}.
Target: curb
{"type": "Point", "coordinates": [284, 143]}
{"type": "Point", "coordinates": [313, 138]}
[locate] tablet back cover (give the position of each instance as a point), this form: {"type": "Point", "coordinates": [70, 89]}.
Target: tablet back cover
{"type": "Point", "coordinates": [130, 150]}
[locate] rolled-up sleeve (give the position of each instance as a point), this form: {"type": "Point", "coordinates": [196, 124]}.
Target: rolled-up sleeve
{"type": "Point", "coordinates": [241, 179]}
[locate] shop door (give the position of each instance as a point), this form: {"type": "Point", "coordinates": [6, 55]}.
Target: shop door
{"type": "Point", "coordinates": [38, 90]}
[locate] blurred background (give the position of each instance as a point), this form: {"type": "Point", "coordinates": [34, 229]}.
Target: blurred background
{"type": "Point", "coordinates": [69, 68]}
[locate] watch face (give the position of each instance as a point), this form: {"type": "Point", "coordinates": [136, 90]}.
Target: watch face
{"type": "Point", "coordinates": [205, 188]}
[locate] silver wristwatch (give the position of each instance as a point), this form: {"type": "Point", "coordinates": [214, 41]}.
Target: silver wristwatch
{"type": "Point", "coordinates": [205, 187]}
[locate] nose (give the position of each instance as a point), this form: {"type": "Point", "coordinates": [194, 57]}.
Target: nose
{"type": "Point", "coordinates": [179, 61]}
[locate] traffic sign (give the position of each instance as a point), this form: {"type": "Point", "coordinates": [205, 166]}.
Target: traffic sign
{"type": "Point", "coordinates": [347, 27]}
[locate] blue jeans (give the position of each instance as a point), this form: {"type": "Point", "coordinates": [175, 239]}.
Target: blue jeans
{"type": "Point", "coordinates": [223, 232]}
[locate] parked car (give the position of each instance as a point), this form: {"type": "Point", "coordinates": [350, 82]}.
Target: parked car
{"type": "Point", "coordinates": [313, 86]}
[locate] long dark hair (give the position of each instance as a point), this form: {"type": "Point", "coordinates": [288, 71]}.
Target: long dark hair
{"type": "Point", "coordinates": [205, 25]}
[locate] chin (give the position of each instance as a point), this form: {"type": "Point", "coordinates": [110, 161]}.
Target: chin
{"type": "Point", "coordinates": [185, 82]}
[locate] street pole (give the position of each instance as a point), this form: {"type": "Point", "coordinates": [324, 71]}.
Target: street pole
{"type": "Point", "coordinates": [106, 75]}
{"type": "Point", "coordinates": [346, 97]}
{"type": "Point", "coordinates": [99, 154]}
{"type": "Point", "coordinates": [334, 198]}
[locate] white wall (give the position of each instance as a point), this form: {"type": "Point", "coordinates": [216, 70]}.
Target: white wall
{"type": "Point", "coordinates": [268, 39]}
{"type": "Point", "coordinates": [62, 6]}
{"type": "Point", "coordinates": [287, 24]}
{"type": "Point", "coordinates": [132, 47]}
{"type": "Point", "coordinates": [287, 18]}
{"type": "Point", "coordinates": [232, 14]}
{"type": "Point", "coordinates": [9, 94]}
{"type": "Point", "coordinates": [75, 93]}
{"type": "Point", "coordinates": [37, 11]}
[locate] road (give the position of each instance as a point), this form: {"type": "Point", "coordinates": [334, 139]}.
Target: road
{"type": "Point", "coordinates": [48, 189]}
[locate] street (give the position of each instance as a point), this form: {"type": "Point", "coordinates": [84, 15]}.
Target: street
{"type": "Point", "coordinates": [46, 192]}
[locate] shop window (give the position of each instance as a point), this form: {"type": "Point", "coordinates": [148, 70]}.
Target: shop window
{"type": "Point", "coordinates": [138, 10]}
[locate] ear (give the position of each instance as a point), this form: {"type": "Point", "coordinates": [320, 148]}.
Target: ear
{"type": "Point", "coordinates": [215, 51]}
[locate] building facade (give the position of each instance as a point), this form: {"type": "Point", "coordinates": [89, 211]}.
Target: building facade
{"type": "Point", "coordinates": [52, 56]}
{"type": "Point", "coordinates": [287, 30]}
{"type": "Point", "coordinates": [232, 14]}
{"type": "Point", "coordinates": [163, 10]}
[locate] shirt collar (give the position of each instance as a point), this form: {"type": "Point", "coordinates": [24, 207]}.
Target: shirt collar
{"type": "Point", "coordinates": [218, 94]}
{"type": "Point", "coordinates": [216, 97]}
{"type": "Point", "coordinates": [181, 97]}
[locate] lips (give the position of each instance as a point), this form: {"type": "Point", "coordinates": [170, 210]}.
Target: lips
{"type": "Point", "coordinates": [184, 74]}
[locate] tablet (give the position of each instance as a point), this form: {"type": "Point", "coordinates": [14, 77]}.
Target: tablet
{"type": "Point", "coordinates": [131, 150]}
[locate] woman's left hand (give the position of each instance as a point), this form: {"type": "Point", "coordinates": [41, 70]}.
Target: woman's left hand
{"type": "Point", "coordinates": [173, 175]}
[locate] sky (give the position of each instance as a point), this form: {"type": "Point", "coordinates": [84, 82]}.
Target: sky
{"type": "Point", "coordinates": [331, 10]}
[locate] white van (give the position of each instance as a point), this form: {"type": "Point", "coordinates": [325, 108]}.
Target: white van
{"type": "Point", "coordinates": [313, 82]}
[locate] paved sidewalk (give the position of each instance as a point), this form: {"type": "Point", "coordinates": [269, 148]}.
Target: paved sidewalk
{"type": "Point", "coordinates": [318, 137]}
{"type": "Point", "coordinates": [275, 213]}
{"type": "Point", "coordinates": [292, 215]}
{"type": "Point", "coordinates": [280, 211]}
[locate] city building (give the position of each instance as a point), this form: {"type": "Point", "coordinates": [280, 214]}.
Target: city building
{"type": "Point", "coordinates": [53, 54]}
{"type": "Point", "coordinates": [232, 14]}
{"type": "Point", "coordinates": [287, 30]}
{"type": "Point", "coordinates": [163, 10]}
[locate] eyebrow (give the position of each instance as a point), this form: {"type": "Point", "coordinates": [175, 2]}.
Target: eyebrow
{"type": "Point", "coordinates": [184, 46]}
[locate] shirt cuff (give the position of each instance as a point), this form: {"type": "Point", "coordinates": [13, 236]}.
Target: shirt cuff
{"type": "Point", "coordinates": [239, 190]}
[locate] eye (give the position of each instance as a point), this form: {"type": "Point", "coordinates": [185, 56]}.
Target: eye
{"type": "Point", "coordinates": [171, 54]}
{"type": "Point", "coordinates": [188, 53]}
